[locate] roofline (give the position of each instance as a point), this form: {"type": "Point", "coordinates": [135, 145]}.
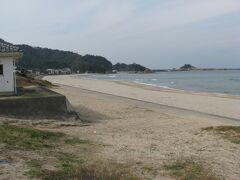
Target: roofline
{"type": "Point", "coordinates": [14, 55]}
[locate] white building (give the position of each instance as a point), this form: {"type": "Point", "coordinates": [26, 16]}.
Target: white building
{"type": "Point", "coordinates": [50, 71]}
{"type": "Point", "coordinates": [8, 55]}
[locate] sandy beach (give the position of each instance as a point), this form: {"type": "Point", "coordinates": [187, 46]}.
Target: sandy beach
{"type": "Point", "coordinates": [209, 103]}
{"type": "Point", "coordinates": [143, 128]}
{"type": "Point", "coordinates": [146, 126]}
{"type": "Point", "coordinates": [120, 90]}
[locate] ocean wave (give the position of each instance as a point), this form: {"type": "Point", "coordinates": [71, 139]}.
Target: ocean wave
{"type": "Point", "coordinates": [112, 76]}
{"type": "Point", "coordinates": [88, 78]}
{"type": "Point", "coordinates": [154, 85]}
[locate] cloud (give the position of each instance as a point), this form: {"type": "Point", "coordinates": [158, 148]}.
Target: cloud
{"type": "Point", "coordinates": [126, 29]}
{"type": "Point", "coordinates": [119, 18]}
{"type": "Point", "coordinates": [174, 13]}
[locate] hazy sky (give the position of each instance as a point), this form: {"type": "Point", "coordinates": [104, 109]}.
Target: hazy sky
{"type": "Point", "coordinates": [155, 33]}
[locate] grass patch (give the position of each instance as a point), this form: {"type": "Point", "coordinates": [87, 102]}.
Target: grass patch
{"type": "Point", "coordinates": [36, 94]}
{"type": "Point", "coordinates": [27, 80]}
{"type": "Point", "coordinates": [27, 138]}
{"type": "Point", "coordinates": [74, 141]}
{"type": "Point", "coordinates": [232, 133]}
{"type": "Point", "coordinates": [33, 92]}
{"type": "Point", "coordinates": [188, 169]}
{"type": "Point", "coordinates": [51, 162]}
{"type": "Point", "coordinates": [91, 172]}
{"type": "Point", "coordinates": [35, 168]}
{"type": "Point", "coordinates": [150, 170]}
{"type": "Point", "coordinates": [69, 161]}
{"type": "Point", "coordinates": [71, 167]}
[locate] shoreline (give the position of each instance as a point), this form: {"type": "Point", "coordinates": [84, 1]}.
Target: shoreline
{"type": "Point", "coordinates": [154, 87]}
{"type": "Point", "coordinates": [175, 90]}
{"type": "Point", "coordinates": [197, 113]}
{"type": "Point", "coordinates": [161, 87]}
{"type": "Point", "coordinates": [210, 103]}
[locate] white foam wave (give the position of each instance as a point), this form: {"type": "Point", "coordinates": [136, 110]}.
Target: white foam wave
{"type": "Point", "coordinates": [154, 85]}
{"type": "Point", "coordinates": [112, 76]}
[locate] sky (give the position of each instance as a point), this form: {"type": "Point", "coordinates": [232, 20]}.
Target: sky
{"type": "Point", "coordinates": [156, 33]}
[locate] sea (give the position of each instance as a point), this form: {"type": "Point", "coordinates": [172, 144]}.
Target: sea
{"type": "Point", "coordinates": [218, 81]}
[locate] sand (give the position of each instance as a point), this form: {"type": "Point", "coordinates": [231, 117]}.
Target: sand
{"type": "Point", "coordinates": [147, 133]}
{"type": "Point", "coordinates": [145, 127]}
{"type": "Point", "coordinates": [215, 104]}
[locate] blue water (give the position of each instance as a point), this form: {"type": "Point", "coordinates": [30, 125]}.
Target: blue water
{"type": "Point", "coordinates": [204, 81]}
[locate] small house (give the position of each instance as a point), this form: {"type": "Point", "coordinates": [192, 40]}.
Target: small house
{"type": "Point", "coordinates": [50, 71]}
{"type": "Point", "coordinates": [66, 71]}
{"type": "Point", "coordinates": [8, 56]}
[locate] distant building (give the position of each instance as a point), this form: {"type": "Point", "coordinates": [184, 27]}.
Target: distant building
{"type": "Point", "coordinates": [8, 55]}
{"type": "Point", "coordinates": [58, 71]}
{"type": "Point", "coordinates": [66, 71]}
{"type": "Point", "coordinates": [50, 71]}
{"type": "Point", "coordinates": [30, 71]}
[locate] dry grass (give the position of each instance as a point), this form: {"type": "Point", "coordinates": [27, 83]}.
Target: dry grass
{"type": "Point", "coordinates": [52, 149]}
{"type": "Point", "coordinates": [23, 81]}
{"type": "Point", "coordinates": [188, 169]}
{"type": "Point", "coordinates": [14, 137]}
{"type": "Point", "coordinates": [80, 171]}
{"type": "Point", "coordinates": [232, 133]}
{"type": "Point", "coordinates": [29, 92]}
{"type": "Point", "coordinates": [74, 141]}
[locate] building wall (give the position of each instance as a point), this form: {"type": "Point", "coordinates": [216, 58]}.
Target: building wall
{"type": "Point", "coordinates": [7, 79]}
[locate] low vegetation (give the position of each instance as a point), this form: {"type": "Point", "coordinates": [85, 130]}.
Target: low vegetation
{"type": "Point", "coordinates": [232, 133]}
{"type": "Point", "coordinates": [76, 169]}
{"type": "Point", "coordinates": [14, 137]}
{"type": "Point", "coordinates": [66, 157]}
{"type": "Point", "coordinates": [26, 80]}
{"type": "Point", "coordinates": [30, 86]}
{"type": "Point", "coordinates": [188, 169]}
{"type": "Point", "coordinates": [33, 92]}
{"type": "Point", "coordinates": [74, 141]}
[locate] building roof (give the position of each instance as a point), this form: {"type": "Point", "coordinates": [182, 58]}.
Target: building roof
{"type": "Point", "coordinates": [7, 48]}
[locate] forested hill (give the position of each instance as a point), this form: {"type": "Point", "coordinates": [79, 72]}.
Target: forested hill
{"type": "Point", "coordinates": [2, 41]}
{"type": "Point", "coordinates": [43, 58]}
{"type": "Point", "coordinates": [40, 59]}
{"type": "Point", "coordinates": [129, 67]}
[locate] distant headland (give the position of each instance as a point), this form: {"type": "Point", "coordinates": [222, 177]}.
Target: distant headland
{"type": "Point", "coordinates": [189, 67]}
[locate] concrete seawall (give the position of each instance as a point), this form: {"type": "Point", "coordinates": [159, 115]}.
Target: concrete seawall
{"type": "Point", "coordinates": [55, 106]}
